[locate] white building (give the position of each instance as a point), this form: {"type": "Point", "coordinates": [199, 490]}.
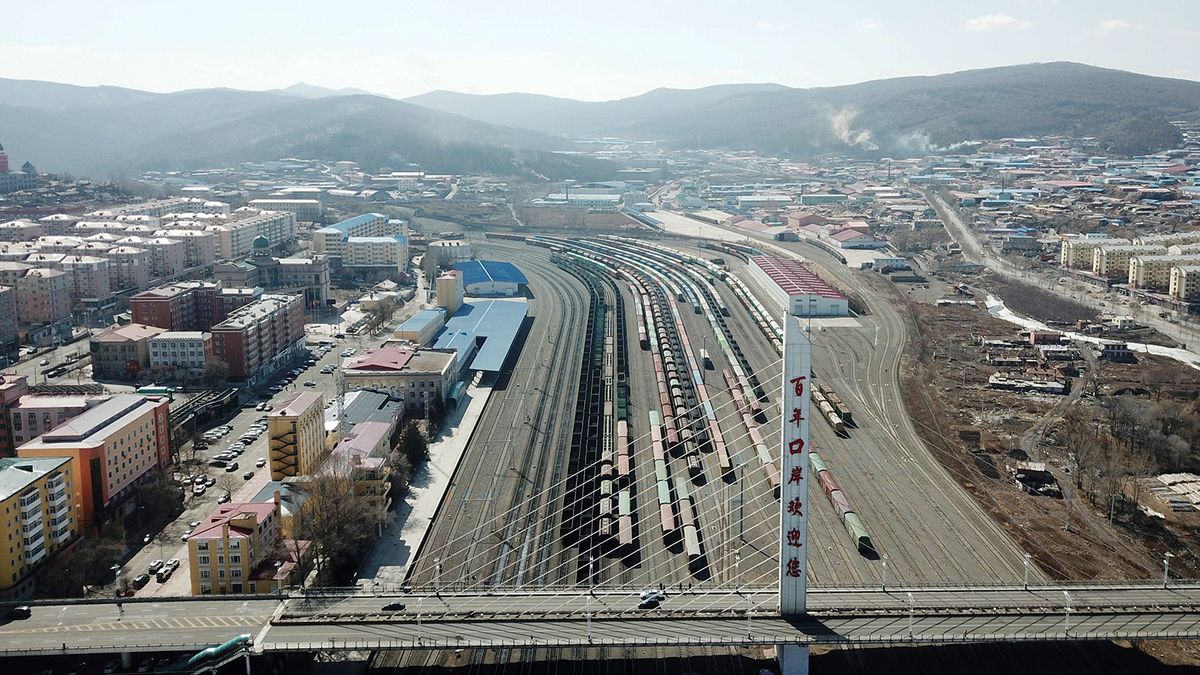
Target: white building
{"type": "Point", "coordinates": [181, 349]}
{"type": "Point", "coordinates": [390, 252]}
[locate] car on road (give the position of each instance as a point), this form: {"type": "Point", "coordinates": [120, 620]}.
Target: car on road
{"type": "Point", "coordinates": [248, 475]}
{"type": "Point", "coordinates": [141, 580]}
{"type": "Point", "coordinates": [44, 362]}
{"type": "Point", "coordinates": [652, 603]}
{"type": "Point", "coordinates": [19, 612]}
{"type": "Point", "coordinates": [309, 383]}
{"type": "Point", "coordinates": [394, 607]}
{"type": "Point", "coordinates": [653, 593]}
{"type": "Point", "coordinates": [154, 566]}
{"type": "Point", "coordinates": [219, 463]}
{"type": "Point", "coordinates": [261, 462]}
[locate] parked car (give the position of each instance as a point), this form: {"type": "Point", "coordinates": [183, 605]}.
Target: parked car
{"type": "Point", "coordinates": [248, 475]}
{"type": "Point", "coordinates": [154, 566]}
{"type": "Point", "coordinates": [164, 574]}
{"type": "Point", "coordinates": [261, 462]}
{"type": "Point", "coordinates": [19, 612]}
{"type": "Point", "coordinates": [224, 498]}
{"type": "Point", "coordinates": [185, 535]}
{"type": "Point", "coordinates": [233, 466]}
{"type": "Point", "coordinates": [141, 580]}
{"type": "Point", "coordinates": [173, 563]}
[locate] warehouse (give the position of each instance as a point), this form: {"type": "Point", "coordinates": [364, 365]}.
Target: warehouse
{"type": "Point", "coordinates": [490, 278]}
{"type": "Point", "coordinates": [793, 286]}
{"type": "Point", "coordinates": [483, 332]}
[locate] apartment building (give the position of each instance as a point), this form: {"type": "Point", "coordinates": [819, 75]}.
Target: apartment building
{"type": "Point", "coordinates": [37, 518]}
{"type": "Point", "coordinates": [185, 305]}
{"type": "Point", "coordinates": [89, 275]}
{"type": "Point", "coordinates": [415, 376]}
{"type": "Point", "coordinates": [113, 447]}
{"type": "Point", "coordinates": [128, 267]}
{"type": "Point", "coordinates": [161, 207]}
{"type": "Point", "coordinates": [1113, 261]}
{"type": "Point", "coordinates": [1171, 239]}
{"type": "Point", "coordinates": [332, 240]}
{"type": "Point", "coordinates": [20, 230]}
{"type": "Point", "coordinates": [43, 296]}
{"type": "Point", "coordinates": [1185, 283]}
{"type": "Point", "coordinates": [235, 238]}
{"type": "Point", "coordinates": [1153, 272]}
{"type": "Point", "coordinates": [121, 352]}
{"type": "Point", "coordinates": [389, 254]}
{"type": "Point", "coordinates": [296, 429]}
{"type": "Point", "coordinates": [8, 318]}
{"type": "Point", "coordinates": [199, 246]}
{"type": "Point", "coordinates": [1079, 252]}
{"type": "Point", "coordinates": [241, 549]}
{"type": "Point", "coordinates": [168, 257]}
{"type": "Point", "coordinates": [12, 388]}
{"type": "Point", "coordinates": [189, 350]}
{"type": "Point", "coordinates": [308, 210]}
{"type": "Point", "coordinates": [258, 339]}
{"type": "Point", "coordinates": [362, 456]}
{"type": "Point", "coordinates": [35, 414]}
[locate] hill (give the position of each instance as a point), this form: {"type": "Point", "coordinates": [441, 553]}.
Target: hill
{"type": "Point", "coordinates": [108, 131]}
{"type": "Point", "coordinates": [1129, 113]}
{"type": "Point", "coordinates": [553, 115]}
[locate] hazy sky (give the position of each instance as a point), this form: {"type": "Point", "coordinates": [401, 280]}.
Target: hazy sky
{"type": "Point", "coordinates": [586, 50]}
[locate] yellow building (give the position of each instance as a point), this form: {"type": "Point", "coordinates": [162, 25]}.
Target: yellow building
{"type": "Point", "coordinates": [1113, 261]}
{"type": "Point", "coordinates": [37, 517]}
{"type": "Point", "coordinates": [240, 549]}
{"type": "Point", "coordinates": [1185, 283]}
{"type": "Point", "coordinates": [297, 432]}
{"type": "Point", "coordinates": [1153, 272]}
{"type": "Point", "coordinates": [1078, 252]}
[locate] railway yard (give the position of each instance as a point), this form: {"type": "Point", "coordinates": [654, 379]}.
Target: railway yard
{"type": "Point", "coordinates": [629, 442]}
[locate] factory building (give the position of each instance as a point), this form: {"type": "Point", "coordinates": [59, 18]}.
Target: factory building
{"type": "Point", "coordinates": [794, 287]}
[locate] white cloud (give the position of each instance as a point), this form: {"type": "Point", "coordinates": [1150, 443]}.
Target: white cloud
{"type": "Point", "coordinates": [1110, 26]}
{"type": "Point", "coordinates": [869, 25]}
{"type": "Point", "coordinates": [988, 22]}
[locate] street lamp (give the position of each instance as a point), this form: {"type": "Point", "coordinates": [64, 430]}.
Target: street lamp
{"type": "Point", "coordinates": [1027, 557]}
{"type": "Point", "coordinates": [1067, 616]}
{"type": "Point", "coordinates": [1167, 567]}
{"type": "Point", "coordinates": [883, 578]}
{"type": "Point", "coordinates": [912, 608]}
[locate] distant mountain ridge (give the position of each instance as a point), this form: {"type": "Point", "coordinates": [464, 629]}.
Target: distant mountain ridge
{"type": "Point", "coordinates": [113, 130]}
{"type": "Point", "coordinates": [1128, 112]}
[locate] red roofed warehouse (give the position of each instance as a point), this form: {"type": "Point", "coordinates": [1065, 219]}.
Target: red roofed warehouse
{"type": "Point", "coordinates": [793, 286]}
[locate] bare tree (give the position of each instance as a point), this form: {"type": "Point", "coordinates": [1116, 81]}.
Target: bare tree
{"type": "Point", "coordinates": [340, 524]}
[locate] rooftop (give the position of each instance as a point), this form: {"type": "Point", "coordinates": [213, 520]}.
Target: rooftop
{"type": "Point", "coordinates": [794, 278]}
{"type": "Point", "coordinates": [386, 358]}
{"type": "Point", "coordinates": [365, 405]}
{"type": "Point", "coordinates": [134, 331]}
{"type": "Point", "coordinates": [296, 404]}
{"type": "Point", "coordinates": [346, 225]}
{"type": "Point", "coordinates": [482, 271]}
{"type": "Point", "coordinates": [496, 322]}
{"type": "Point", "coordinates": [213, 526]}
{"type": "Point", "coordinates": [93, 426]}
{"type": "Point", "coordinates": [16, 474]}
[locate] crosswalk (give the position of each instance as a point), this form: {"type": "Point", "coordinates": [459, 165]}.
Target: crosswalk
{"type": "Point", "coordinates": [160, 624]}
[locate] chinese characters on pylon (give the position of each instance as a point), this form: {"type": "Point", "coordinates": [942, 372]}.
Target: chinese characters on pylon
{"type": "Point", "coordinates": [793, 492]}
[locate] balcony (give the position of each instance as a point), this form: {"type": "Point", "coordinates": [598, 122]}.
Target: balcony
{"type": "Point", "coordinates": [56, 484]}
{"type": "Point", "coordinates": [33, 555]}
{"type": "Point", "coordinates": [31, 504]}
{"type": "Point", "coordinates": [63, 534]}
{"type": "Point", "coordinates": [57, 497]}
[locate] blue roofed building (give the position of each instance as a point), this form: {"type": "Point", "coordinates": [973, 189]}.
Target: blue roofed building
{"type": "Point", "coordinates": [491, 278]}
{"type": "Point", "coordinates": [483, 333]}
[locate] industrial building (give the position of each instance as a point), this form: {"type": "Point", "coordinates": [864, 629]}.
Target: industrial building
{"type": "Point", "coordinates": [422, 327]}
{"type": "Point", "coordinates": [490, 278]}
{"type": "Point", "coordinates": [482, 333]}
{"type": "Point", "coordinates": [794, 287]}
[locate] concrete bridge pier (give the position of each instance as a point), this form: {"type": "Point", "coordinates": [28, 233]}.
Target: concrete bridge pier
{"type": "Point", "coordinates": [126, 660]}
{"type": "Point", "coordinates": [793, 659]}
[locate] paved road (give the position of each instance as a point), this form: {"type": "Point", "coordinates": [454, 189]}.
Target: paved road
{"type": "Point", "coordinates": [555, 619]}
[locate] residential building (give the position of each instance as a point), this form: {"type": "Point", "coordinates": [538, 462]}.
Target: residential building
{"type": "Point", "coordinates": [90, 279]}
{"type": "Point", "coordinates": [308, 210]}
{"type": "Point", "coordinates": [1153, 272]}
{"type": "Point", "coordinates": [189, 305]}
{"type": "Point", "coordinates": [38, 518]}
{"type": "Point", "coordinates": [296, 429]}
{"type": "Point", "coordinates": [241, 549]}
{"type": "Point", "coordinates": [113, 447]}
{"type": "Point", "coordinates": [258, 339]}
{"type": "Point", "coordinates": [199, 246]}
{"type": "Point", "coordinates": [20, 230]}
{"type": "Point", "coordinates": [189, 350]}
{"type": "Point", "coordinates": [332, 240]}
{"type": "Point", "coordinates": [8, 319]}
{"type": "Point", "coordinates": [121, 352]}
{"type": "Point", "coordinates": [1113, 261]}
{"type": "Point", "coordinates": [386, 255]}
{"type": "Point", "coordinates": [235, 238]}
{"type": "Point", "coordinates": [128, 267]}
{"type": "Point", "coordinates": [362, 456]}
{"type": "Point", "coordinates": [416, 376]}
{"type": "Point", "coordinates": [43, 296]}
{"type": "Point", "coordinates": [1185, 283]}
{"type": "Point", "coordinates": [168, 257]}
{"type": "Point", "coordinates": [444, 254]}
{"type": "Point", "coordinates": [35, 414]}
{"type": "Point", "coordinates": [1079, 252]}
{"type": "Point", "coordinates": [12, 388]}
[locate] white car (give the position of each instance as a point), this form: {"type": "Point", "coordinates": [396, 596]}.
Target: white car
{"type": "Point", "coordinates": [653, 594]}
